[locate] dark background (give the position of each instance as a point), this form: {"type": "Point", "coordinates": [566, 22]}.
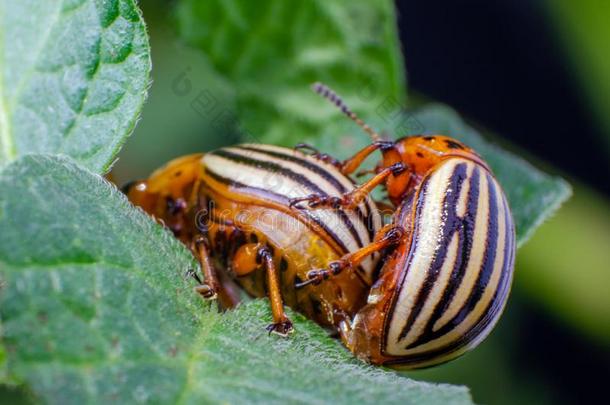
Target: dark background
{"type": "Point", "coordinates": [499, 63]}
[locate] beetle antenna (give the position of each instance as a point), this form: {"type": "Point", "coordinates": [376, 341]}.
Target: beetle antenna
{"type": "Point", "coordinates": [334, 98]}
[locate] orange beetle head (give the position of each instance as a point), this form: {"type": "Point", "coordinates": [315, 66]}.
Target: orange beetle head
{"type": "Point", "coordinates": [422, 152]}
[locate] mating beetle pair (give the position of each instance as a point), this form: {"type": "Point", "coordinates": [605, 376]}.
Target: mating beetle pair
{"type": "Point", "coordinates": [311, 239]}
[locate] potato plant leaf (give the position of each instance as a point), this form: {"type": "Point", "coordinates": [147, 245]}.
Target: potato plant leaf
{"type": "Point", "coordinates": [272, 50]}
{"type": "Point", "coordinates": [96, 308]}
{"type": "Point", "coordinates": [73, 77]}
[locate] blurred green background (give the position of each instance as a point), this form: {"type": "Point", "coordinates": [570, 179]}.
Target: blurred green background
{"type": "Point", "coordinates": [552, 345]}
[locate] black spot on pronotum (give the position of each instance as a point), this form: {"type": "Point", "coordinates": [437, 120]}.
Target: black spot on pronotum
{"type": "Point", "coordinates": [419, 155]}
{"type": "Point", "coordinates": [428, 138]}
{"type": "Point", "coordinates": [453, 144]}
{"type": "Point", "coordinates": [178, 173]}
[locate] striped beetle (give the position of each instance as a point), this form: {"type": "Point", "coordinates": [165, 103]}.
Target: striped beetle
{"type": "Point", "coordinates": [231, 207]}
{"type": "Point", "coordinates": [444, 285]}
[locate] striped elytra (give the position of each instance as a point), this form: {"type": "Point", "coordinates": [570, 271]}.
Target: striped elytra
{"type": "Point", "coordinates": [444, 286]}
{"type": "Point", "coordinates": [448, 250]}
{"type": "Point", "coordinates": [453, 283]}
{"type": "Point", "coordinates": [232, 207]}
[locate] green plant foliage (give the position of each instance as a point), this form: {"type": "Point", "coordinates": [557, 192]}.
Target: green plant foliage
{"type": "Point", "coordinates": [73, 77]}
{"type": "Point", "coordinates": [96, 308]}
{"type": "Point", "coordinates": [272, 50]}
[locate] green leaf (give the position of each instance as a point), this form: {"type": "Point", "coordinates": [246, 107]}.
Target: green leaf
{"type": "Point", "coordinates": [96, 308]}
{"type": "Point", "coordinates": [272, 50]}
{"type": "Point", "coordinates": [73, 77]}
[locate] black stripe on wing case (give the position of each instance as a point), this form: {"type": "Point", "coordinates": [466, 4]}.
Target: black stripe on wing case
{"type": "Point", "coordinates": [296, 177]}
{"type": "Point", "coordinates": [484, 275]}
{"type": "Point", "coordinates": [278, 198]}
{"type": "Point", "coordinates": [492, 311]}
{"type": "Point", "coordinates": [451, 224]}
{"type": "Point", "coordinates": [326, 175]}
{"type": "Point", "coordinates": [465, 233]}
{"type": "Point", "coordinates": [418, 205]}
{"type": "Point", "coordinates": [499, 298]}
{"type": "Point", "coordinates": [302, 162]}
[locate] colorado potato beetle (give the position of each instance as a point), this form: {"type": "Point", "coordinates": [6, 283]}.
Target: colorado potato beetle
{"type": "Point", "coordinates": [232, 207]}
{"type": "Point", "coordinates": [444, 285]}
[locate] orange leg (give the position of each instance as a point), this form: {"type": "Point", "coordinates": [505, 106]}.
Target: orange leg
{"type": "Point", "coordinates": [389, 235]}
{"type": "Point", "coordinates": [352, 199]}
{"type": "Point", "coordinates": [252, 256]}
{"type": "Point", "coordinates": [208, 287]}
{"type": "Point", "coordinates": [350, 165]}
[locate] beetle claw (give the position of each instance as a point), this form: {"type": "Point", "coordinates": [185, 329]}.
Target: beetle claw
{"type": "Point", "coordinates": [312, 201]}
{"type": "Point", "coordinates": [312, 151]}
{"type": "Point", "coordinates": [206, 291]}
{"type": "Point", "coordinates": [315, 277]}
{"type": "Point", "coordinates": [317, 201]}
{"type": "Point", "coordinates": [295, 202]}
{"type": "Point", "coordinates": [283, 328]}
{"type": "Point", "coordinates": [307, 149]}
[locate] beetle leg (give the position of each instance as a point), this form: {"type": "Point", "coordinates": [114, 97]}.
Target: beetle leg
{"type": "Point", "coordinates": [209, 286]}
{"type": "Point", "coordinates": [281, 324]}
{"type": "Point", "coordinates": [316, 201]}
{"type": "Point", "coordinates": [388, 236]}
{"type": "Point", "coordinates": [353, 198]}
{"type": "Point", "coordinates": [214, 285]}
{"type": "Point", "coordinates": [252, 256]}
{"type": "Point", "coordinates": [350, 165]}
{"type": "Point", "coordinates": [356, 196]}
